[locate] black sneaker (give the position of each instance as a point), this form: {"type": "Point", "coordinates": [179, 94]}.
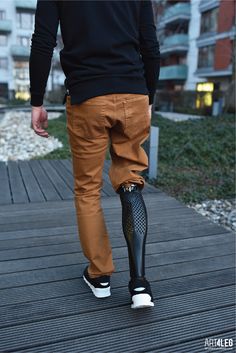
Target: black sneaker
{"type": "Point", "coordinates": [141, 294]}
{"type": "Point", "coordinates": [100, 286]}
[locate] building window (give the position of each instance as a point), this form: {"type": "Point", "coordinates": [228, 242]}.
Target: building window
{"type": "Point", "coordinates": [206, 56]}
{"type": "Point", "coordinates": [2, 14]}
{"type": "Point", "coordinates": [21, 70]}
{"type": "Point", "coordinates": [25, 20]}
{"type": "Point", "coordinates": [3, 40]}
{"type": "Point", "coordinates": [209, 21]}
{"type": "Point", "coordinates": [3, 63]}
{"type": "Point", "coordinates": [23, 41]}
{"type": "Point", "coordinates": [21, 78]}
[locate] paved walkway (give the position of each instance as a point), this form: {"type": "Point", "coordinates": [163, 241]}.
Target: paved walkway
{"type": "Point", "coordinates": [45, 305]}
{"type": "Point", "coordinates": [178, 116]}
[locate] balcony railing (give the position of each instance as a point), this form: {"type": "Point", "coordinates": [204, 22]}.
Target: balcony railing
{"type": "Point", "coordinates": [206, 5]}
{"type": "Point", "coordinates": [175, 42]}
{"type": "Point", "coordinates": [176, 13]}
{"type": "Point", "coordinates": [173, 72]}
{"type": "Point", "coordinates": [5, 25]}
{"type": "Point", "coordinates": [26, 4]}
{"type": "Point", "coordinates": [20, 51]}
{"type": "Point", "coordinates": [211, 72]}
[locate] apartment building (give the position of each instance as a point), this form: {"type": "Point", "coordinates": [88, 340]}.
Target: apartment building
{"type": "Point", "coordinates": [16, 28]}
{"type": "Point", "coordinates": [178, 24]}
{"type": "Point", "coordinates": [215, 44]}
{"type": "Point", "coordinates": [196, 45]}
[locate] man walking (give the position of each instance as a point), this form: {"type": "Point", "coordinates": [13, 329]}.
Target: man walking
{"type": "Point", "coordinates": [111, 62]}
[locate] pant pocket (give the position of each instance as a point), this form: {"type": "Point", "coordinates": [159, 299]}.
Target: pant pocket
{"type": "Point", "coordinates": [88, 120]}
{"type": "Point", "coordinates": [137, 117]}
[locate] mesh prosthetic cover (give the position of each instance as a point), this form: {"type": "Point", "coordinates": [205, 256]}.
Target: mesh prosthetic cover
{"type": "Point", "coordinates": [134, 223]}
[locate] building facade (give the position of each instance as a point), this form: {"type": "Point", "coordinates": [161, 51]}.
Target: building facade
{"type": "Point", "coordinates": [215, 41]}
{"type": "Point", "coordinates": [197, 45]}
{"type": "Point", "coordinates": [16, 28]}
{"type": "Point", "coordinates": [178, 24]}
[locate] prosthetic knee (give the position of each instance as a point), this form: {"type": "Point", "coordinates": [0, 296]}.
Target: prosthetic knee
{"type": "Point", "coordinates": [134, 223]}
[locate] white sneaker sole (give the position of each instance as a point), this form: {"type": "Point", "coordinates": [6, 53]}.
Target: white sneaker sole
{"type": "Point", "coordinates": [99, 292]}
{"type": "Point", "coordinates": [141, 301]}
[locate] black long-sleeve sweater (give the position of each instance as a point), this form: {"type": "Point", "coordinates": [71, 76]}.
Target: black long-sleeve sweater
{"type": "Point", "coordinates": [109, 47]}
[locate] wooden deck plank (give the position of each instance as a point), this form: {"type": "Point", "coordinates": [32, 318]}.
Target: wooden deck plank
{"type": "Point", "coordinates": [18, 213]}
{"type": "Point", "coordinates": [19, 239]}
{"type": "Point", "coordinates": [32, 187]}
{"type": "Point", "coordinates": [154, 332]}
{"type": "Point", "coordinates": [196, 345]}
{"type": "Point", "coordinates": [163, 288]}
{"type": "Point", "coordinates": [192, 345]}
{"type": "Point", "coordinates": [178, 217]}
{"type": "Point", "coordinates": [44, 221]}
{"type": "Point", "coordinates": [119, 246]}
{"type": "Point", "coordinates": [171, 239]}
{"type": "Point", "coordinates": [168, 206]}
{"type": "Point", "coordinates": [63, 172]}
{"type": "Point", "coordinates": [115, 228]}
{"type": "Point", "coordinates": [62, 188]}
{"type": "Point", "coordinates": [106, 202]}
{"type": "Point", "coordinates": [182, 304]}
{"type": "Point", "coordinates": [56, 256]}
{"type": "Point", "coordinates": [67, 164]}
{"type": "Point", "coordinates": [5, 192]}
{"type": "Point", "coordinates": [48, 180]}
{"type": "Point", "coordinates": [19, 194]}
{"type": "Point", "coordinates": [45, 183]}
{"type": "Point", "coordinates": [184, 268]}
{"type": "Point", "coordinates": [46, 306]}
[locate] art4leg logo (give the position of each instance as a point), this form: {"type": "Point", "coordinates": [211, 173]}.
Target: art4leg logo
{"type": "Point", "coordinates": [219, 343]}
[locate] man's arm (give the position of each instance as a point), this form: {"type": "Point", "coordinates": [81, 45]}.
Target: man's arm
{"type": "Point", "coordinates": [149, 47]}
{"type": "Point", "coordinates": [43, 42]}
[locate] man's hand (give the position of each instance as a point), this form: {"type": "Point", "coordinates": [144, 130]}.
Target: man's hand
{"type": "Point", "coordinates": [39, 121]}
{"type": "Point", "coordinates": [150, 111]}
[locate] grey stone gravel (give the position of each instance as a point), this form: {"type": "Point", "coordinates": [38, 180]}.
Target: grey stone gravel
{"type": "Point", "coordinates": [19, 141]}
{"type": "Point", "coordinates": [222, 212]}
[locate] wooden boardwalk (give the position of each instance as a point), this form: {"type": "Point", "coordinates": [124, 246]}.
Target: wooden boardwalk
{"type": "Point", "coordinates": [45, 306]}
{"type": "Point", "coordinates": [44, 180]}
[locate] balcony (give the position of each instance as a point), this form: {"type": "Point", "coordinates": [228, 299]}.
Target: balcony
{"type": "Point", "coordinates": [206, 5]}
{"type": "Point", "coordinates": [211, 72]}
{"type": "Point", "coordinates": [20, 51]}
{"type": "Point", "coordinates": [26, 4]}
{"type": "Point", "coordinates": [173, 72]}
{"type": "Point", "coordinates": [175, 14]}
{"type": "Point", "coordinates": [177, 43]}
{"type": "Point", "coordinates": [5, 26]}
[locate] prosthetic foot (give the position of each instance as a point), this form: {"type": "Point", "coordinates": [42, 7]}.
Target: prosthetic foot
{"type": "Point", "coordinates": [134, 223]}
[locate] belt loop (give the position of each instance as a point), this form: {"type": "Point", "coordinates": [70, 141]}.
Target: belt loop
{"type": "Point", "coordinates": [65, 96]}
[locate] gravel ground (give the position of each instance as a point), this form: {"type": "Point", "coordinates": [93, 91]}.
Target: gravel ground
{"type": "Point", "coordinates": [222, 212]}
{"type": "Point", "coordinates": [19, 141]}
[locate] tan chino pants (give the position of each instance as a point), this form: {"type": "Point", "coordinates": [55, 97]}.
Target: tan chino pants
{"type": "Point", "coordinates": [121, 119]}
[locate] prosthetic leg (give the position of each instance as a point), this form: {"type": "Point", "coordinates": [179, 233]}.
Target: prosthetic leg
{"type": "Point", "coordinates": [134, 223]}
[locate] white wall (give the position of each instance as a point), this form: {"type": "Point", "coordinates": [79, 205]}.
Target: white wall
{"type": "Point", "coordinates": [192, 56]}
